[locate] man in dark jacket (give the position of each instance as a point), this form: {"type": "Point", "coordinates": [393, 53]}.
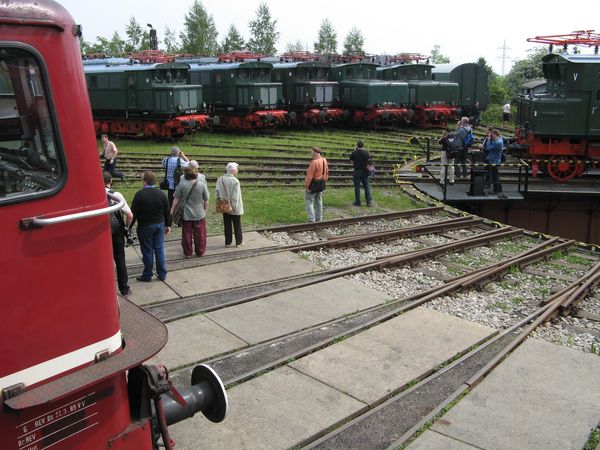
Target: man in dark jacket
{"type": "Point", "coordinates": [151, 210]}
{"type": "Point", "coordinates": [361, 159]}
{"type": "Point", "coordinates": [459, 146]}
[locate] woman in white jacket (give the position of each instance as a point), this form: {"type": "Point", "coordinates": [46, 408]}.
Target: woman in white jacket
{"type": "Point", "coordinates": [228, 187]}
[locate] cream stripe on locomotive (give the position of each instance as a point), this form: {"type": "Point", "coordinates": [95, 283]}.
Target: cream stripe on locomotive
{"type": "Point", "coordinates": [61, 364]}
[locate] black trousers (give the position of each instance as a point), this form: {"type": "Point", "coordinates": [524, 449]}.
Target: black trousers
{"type": "Point", "coordinates": [232, 222]}
{"type": "Point", "coordinates": [118, 243]}
{"type": "Point", "coordinates": [112, 169]}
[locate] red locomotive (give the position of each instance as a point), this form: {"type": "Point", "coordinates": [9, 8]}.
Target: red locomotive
{"type": "Point", "coordinates": [71, 372]}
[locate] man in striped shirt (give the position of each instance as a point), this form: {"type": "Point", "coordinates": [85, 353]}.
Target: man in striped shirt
{"type": "Point", "coordinates": [173, 164]}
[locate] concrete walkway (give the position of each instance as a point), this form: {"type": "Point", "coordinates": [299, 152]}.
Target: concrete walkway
{"type": "Point", "coordinates": [283, 407]}
{"type": "Point", "coordinates": [544, 396]}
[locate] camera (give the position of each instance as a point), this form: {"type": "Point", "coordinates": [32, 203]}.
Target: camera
{"type": "Point", "coordinates": [130, 238]}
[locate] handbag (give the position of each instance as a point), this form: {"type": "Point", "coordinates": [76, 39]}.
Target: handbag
{"type": "Point", "coordinates": [318, 185]}
{"type": "Point", "coordinates": [371, 169]}
{"type": "Point", "coordinates": [223, 205]}
{"type": "Point", "coordinates": [177, 216]}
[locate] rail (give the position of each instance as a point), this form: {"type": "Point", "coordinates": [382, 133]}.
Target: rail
{"type": "Point", "coordinates": [480, 176]}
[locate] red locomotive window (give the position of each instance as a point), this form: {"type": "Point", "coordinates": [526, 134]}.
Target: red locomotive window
{"type": "Point", "coordinates": [30, 162]}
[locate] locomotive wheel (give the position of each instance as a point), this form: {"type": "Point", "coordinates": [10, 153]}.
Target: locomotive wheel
{"type": "Point", "coordinates": [564, 168]}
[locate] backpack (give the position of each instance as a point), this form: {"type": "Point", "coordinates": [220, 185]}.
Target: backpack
{"type": "Point", "coordinates": [117, 224]}
{"type": "Point", "coordinates": [468, 141]}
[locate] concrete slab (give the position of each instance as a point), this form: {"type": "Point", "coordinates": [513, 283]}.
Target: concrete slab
{"type": "Point", "coordinates": [146, 293]}
{"type": "Point", "coordinates": [543, 396]}
{"type": "Point", "coordinates": [370, 365]}
{"type": "Point", "coordinates": [287, 312]}
{"type": "Point", "coordinates": [274, 411]}
{"type": "Point", "coordinates": [431, 440]}
{"type": "Point", "coordinates": [194, 339]}
{"type": "Point", "coordinates": [216, 244]}
{"type": "Point", "coordinates": [132, 256]}
{"type": "Point", "coordinates": [240, 272]}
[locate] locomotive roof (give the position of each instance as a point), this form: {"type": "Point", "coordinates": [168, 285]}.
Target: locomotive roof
{"type": "Point", "coordinates": [375, 82]}
{"type": "Point", "coordinates": [447, 68]}
{"type": "Point", "coordinates": [98, 68]}
{"type": "Point", "coordinates": [396, 66]}
{"type": "Point", "coordinates": [296, 64]}
{"type": "Point", "coordinates": [577, 59]}
{"type": "Point", "coordinates": [40, 12]}
{"type": "Point", "coordinates": [356, 64]}
{"type": "Point", "coordinates": [233, 66]}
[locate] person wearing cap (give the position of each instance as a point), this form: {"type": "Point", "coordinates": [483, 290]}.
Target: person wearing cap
{"type": "Point", "coordinates": [228, 187]}
{"type": "Point", "coordinates": [318, 169]}
{"type": "Point", "coordinates": [360, 160]}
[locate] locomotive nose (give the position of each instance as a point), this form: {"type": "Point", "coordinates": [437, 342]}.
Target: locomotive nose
{"type": "Point", "coordinates": [206, 394]}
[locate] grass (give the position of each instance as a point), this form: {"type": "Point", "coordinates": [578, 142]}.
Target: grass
{"type": "Point", "coordinates": [593, 440]}
{"type": "Point", "coordinates": [271, 206]}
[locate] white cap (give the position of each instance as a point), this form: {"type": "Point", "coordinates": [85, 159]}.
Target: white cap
{"type": "Point", "coordinates": [232, 166]}
{"type": "Point", "coordinates": [194, 164]}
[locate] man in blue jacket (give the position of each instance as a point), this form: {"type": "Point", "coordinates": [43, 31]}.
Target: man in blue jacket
{"type": "Point", "coordinates": [494, 146]}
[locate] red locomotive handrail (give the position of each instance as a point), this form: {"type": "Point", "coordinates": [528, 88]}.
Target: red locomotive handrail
{"type": "Point", "coordinates": [581, 37]}
{"type": "Point", "coordinates": [407, 57]}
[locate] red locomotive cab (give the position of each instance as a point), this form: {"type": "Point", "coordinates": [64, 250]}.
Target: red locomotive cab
{"type": "Point", "coordinates": [71, 352]}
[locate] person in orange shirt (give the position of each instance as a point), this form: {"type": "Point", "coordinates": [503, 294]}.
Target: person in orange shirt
{"type": "Point", "coordinates": [314, 185]}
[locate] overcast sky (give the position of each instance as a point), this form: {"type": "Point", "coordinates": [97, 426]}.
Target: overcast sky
{"type": "Point", "coordinates": [463, 30]}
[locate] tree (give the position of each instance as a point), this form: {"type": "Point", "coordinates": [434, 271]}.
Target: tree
{"type": "Point", "coordinates": [294, 47]}
{"type": "Point", "coordinates": [437, 57]}
{"type": "Point", "coordinates": [200, 35]}
{"type": "Point", "coordinates": [354, 41]}
{"type": "Point", "coordinates": [525, 70]}
{"type": "Point", "coordinates": [327, 40]}
{"type": "Point", "coordinates": [263, 32]}
{"type": "Point", "coordinates": [170, 41]}
{"type": "Point", "coordinates": [116, 45]}
{"type": "Point", "coordinates": [233, 41]}
{"type": "Point", "coordinates": [134, 34]}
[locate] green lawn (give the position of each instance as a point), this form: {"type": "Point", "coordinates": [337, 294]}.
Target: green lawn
{"type": "Point", "coordinates": [280, 205]}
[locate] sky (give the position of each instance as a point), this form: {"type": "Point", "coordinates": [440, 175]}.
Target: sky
{"type": "Point", "coordinates": [464, 31]}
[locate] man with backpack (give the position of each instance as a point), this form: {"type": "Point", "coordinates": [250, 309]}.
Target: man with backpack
{"type": "Point", "coordinates": [174, 166]}
{"type": "Point", "coordinates": [463, 138]}
{"type": "Point", "coordinates": [119, 224]}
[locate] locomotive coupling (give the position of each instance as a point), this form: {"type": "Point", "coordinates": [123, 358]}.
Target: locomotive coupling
{"type": "Point", "coordinates": [206, 394]}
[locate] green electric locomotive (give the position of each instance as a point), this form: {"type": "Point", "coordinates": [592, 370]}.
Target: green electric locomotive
{"type": "Point", "coordinates": [367, 100]}
{"type": "Point", "coordinates": [431, 103]}
{"type": "Point", "coordinates": [307, 92]}
{"type": "Point", "coordinates": [240, 95]}
{"type": "Point", "coordinates": [559, 130]}
{"type": "Point", "coordinates": [152, 100]}
{"type": "Point", "coordinates": [472, 82]}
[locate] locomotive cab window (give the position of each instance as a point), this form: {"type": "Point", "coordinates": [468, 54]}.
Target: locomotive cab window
{"type": "Point", "coordinates": [30, 162]}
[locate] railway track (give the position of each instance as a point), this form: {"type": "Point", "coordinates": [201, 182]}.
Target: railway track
{"type": "Point", "coordinates": [438, 256]}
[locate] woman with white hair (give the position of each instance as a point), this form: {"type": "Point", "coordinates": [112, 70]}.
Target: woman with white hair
{"type": "Point", "coordinates": [228, 188]}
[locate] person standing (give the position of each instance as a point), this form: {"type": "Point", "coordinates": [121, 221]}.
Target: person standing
{"type": "Point", "coordinates": [506, 112]}
{"type": "Point", "coordinates": [446, 158]}
{"type": "Point", "coordinates": [193, 191]}
{"type": "Point", "coordinates": [458, 144]}
{"type": "Point", "coordinates": [495, 146]}
{"type": "Point", "coordinates": [150, 209]}
{"type": "Point", "coordinates": [318, 169]}
{"type": "Point", "coordinates": [118, 237]}
{"type": "Point", "coordinates": [110, 157]}
{"type": "Point", "coordinates": [228, 188]}
{"type": "Point", "coordinates": [361, 159]}
{"type": "Point", "coordinates": [177, 160]}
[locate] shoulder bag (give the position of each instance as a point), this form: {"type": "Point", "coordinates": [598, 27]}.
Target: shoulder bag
{"type": "Point", "coordinates": [177, 216]}
{"type": "Point", "coordinates": [223, 205]}
{"type": "Point", "coordinates": [318, 185]}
